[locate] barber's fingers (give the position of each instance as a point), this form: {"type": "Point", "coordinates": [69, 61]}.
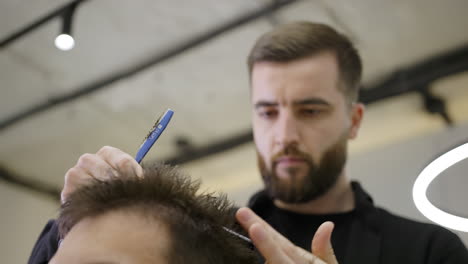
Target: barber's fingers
{"type": "Point", "coordinates": [87, 168]}
{"type": "Point", "coordinates": [321, 243]}
{"type": "Point", "coordinates": [270, 249]}
{"type": "Point", "coordinates": [107, 162]}
{"type": "Point", "coordinates": [274, 247]}
{"type": "Point", "coordinates": [94, 166]}
{"type": "Point", "coordinates": [74, 178]}
{"type": "Point", "coordinates": [120, 161]}
{"type": "Point", "coordinates": [246, 217]}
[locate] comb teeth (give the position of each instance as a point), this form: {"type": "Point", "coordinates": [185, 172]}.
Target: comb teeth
{"type": "Point", "coordinates": [152, 129]}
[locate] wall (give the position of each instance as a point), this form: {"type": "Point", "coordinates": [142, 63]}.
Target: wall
{"type": "Point", "coordinates": [23, 215]}
{"type": "Point", "coordinates": [389, 172]}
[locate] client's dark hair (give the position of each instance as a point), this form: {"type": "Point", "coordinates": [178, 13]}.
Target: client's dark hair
{"type": "Point", "coordinates": [196, 220]}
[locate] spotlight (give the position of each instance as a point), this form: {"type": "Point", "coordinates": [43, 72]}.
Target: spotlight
{"type": "Point", "coordinates": [427, 175]}
{"type": "Point", "coordinates": [65, 40]}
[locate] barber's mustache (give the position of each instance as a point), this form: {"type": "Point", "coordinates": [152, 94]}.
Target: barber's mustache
{"type": "Point", "coordinates": [292, 151]}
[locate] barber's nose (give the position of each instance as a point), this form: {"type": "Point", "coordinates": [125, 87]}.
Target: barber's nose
{"type": "Point", "coordinates": [287, 130]}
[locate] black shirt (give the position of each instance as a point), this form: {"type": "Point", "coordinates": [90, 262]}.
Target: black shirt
{"type": "Point", "coordinates": [287, 223]}
{"type": "Point", "coordinates": [367, 234]}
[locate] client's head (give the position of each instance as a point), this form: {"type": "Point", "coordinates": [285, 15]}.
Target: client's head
{"type": "Point", "coordinates": [160, 218]}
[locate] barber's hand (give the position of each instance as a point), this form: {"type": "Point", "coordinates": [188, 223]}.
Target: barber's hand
{"type": "Point", "coordinates": [107, 162]}
{"type": "Point", "coordinates": [276, 249]}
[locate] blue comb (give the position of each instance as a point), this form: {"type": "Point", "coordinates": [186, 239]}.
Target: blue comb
{"type": "Point", "coordinates": [154, 134]}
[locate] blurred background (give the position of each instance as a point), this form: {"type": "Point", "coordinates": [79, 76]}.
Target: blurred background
{"type": "Point", "coordinates": [134, 59]}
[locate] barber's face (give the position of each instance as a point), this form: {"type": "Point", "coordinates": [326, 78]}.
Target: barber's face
{"type": "Point", "coordinates": [116, 237]}
{"type": "Point", "coordinates": [301, 124]}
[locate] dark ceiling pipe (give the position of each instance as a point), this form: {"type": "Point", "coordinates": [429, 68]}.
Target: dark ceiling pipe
{"type": "Point", "coordinates": [436, 105]}
{"type": "Point", "coordinates": [34, 25]}
{"type": "Point", "coordinates": [418, 76]}
{"type": "Point", "coordinates": [67, 17]}
{"type": "Point", "coordinates": [158, 58]}
{"type": "Point", "coordinates": [28, 184]}
{"type": "Point", "coordinates": [211, 149]}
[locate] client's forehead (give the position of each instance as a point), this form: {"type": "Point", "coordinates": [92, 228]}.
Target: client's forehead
{"type": "Point", "coordinates": [118, 236]}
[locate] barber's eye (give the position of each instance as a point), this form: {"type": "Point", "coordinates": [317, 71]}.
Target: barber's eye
{"type": "Point", "coordinates": [311, 112]}
{"type": "Point", "coordinates": [267, 113]}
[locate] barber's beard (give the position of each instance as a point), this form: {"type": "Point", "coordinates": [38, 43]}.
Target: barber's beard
{"type": "Point", "coordinates": [318, 178]}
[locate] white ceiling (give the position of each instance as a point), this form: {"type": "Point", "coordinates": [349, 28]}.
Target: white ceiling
{"type": "Point", "coordinates": [206, 86]}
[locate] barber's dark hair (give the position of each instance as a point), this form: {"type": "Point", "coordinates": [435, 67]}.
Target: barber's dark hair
{"type": "Point", "coordinates": [302, 39]}
{"type": "Point", "coordinates": [195, 219]}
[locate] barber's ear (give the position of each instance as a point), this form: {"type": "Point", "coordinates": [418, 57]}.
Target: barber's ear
{"type": "Point", "coordinates": [357, 113]}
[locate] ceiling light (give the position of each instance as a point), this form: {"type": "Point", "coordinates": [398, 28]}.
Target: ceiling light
{"type": "Point", "coordinates": [426, 176]}
{"type": "Point", "coordinates": [65, 40]}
